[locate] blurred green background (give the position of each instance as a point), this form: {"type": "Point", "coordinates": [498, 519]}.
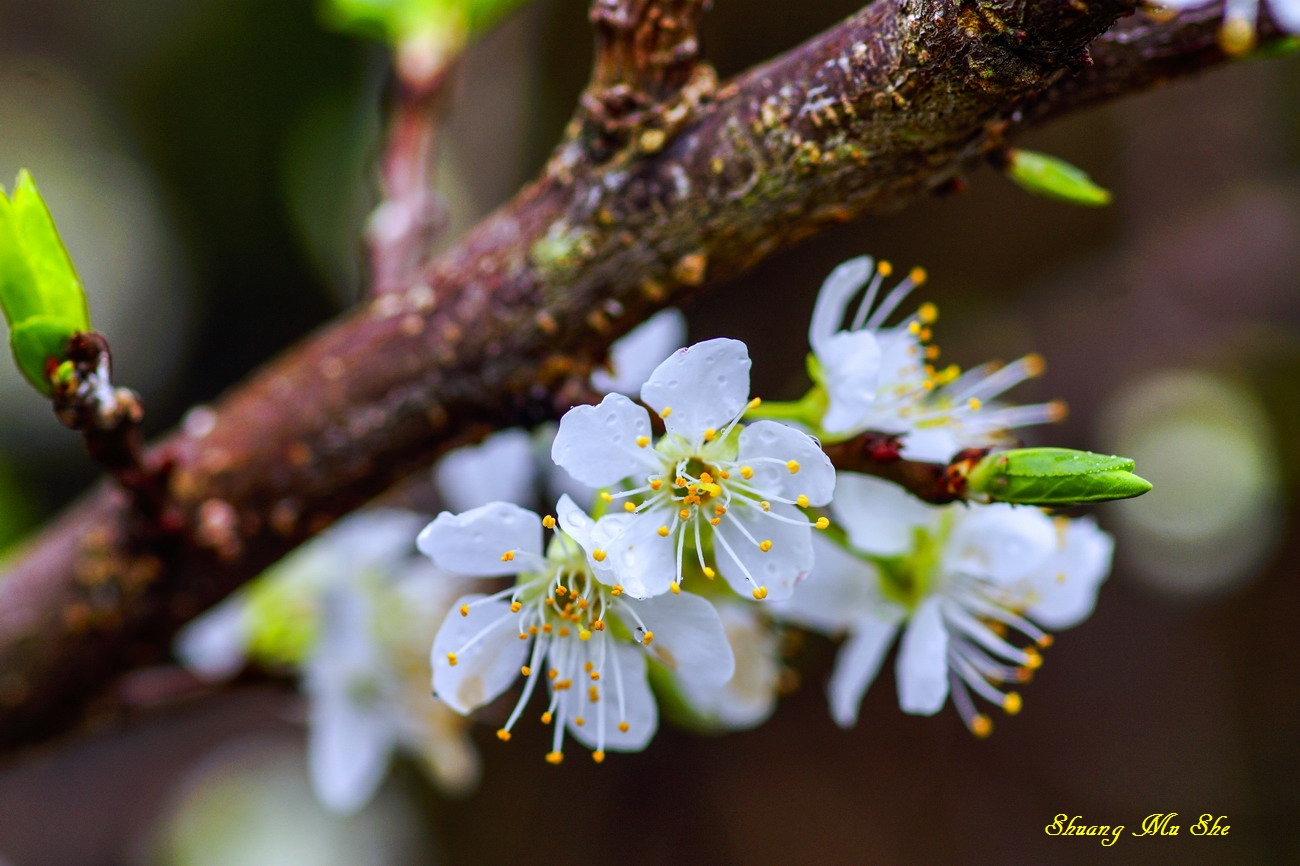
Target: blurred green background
{"type": "Point", "coordinates": [211, 162]}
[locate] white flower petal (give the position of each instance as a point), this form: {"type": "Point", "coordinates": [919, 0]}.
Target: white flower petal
{"type": "Point", "coordinates": [1000, 542]}
{"type": "Point", "coordinates": [787, 562]}
{"type": "Point", "coordinates": [1067, 588]}
{"type": "Point", "coordinates": [638, 702]}
{"type": "Point", "coordinates": [597, 445]}
{"type": "Point", "coordinates": [1287, 14]}
{"type": "Point", "coordinates": [214, 646]}
{"type": "Point", "coordinates": [880, 517]}
{"type": "Point", "coordinates": [856, 666]}
{"type": "Point", "coordinates": [930, 445]}
{"type": "Point", "coordinates": [851, 370]}
{"type": "Point", "coordinates": [473, 542]}
{"type": "Point", "coordinates": [832, 300]}
{"type": "Point", "coordinates": [688, 637]}
{"type": "Point", "coordinates": [499, 469]}
{"type": "Point", "coordinates": [922, 666]}
{"type": "Point", "coordinates": [634, 357]}
{"type": "Point", "coordinates": [770, 439]}
{"type": "Point", "coordinates": [749, 697]}
{"type": "Point", "coordinates": [488, 667]}
{"type": "Point", "coordinates": [639, 559]}
{"type": "Point", "coordinates": [347, 751]}
{"type": "Point", "coordinates": [705, 386]}
{"type": "Point", "coordinates": [840, 589]}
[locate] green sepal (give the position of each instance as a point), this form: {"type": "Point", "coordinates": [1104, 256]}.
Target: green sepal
{"type": "Point", "coordinates": [1054, 477]}
{"type": "Point", "coordinates": [1052, 177]}
{"type": "Point", "coordinates": [40, 293]}
{"type": "Point", "coordinates": [396, 21]}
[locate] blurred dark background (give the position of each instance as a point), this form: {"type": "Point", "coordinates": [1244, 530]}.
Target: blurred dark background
{"type": "Point", "coordinates": [211, 162]}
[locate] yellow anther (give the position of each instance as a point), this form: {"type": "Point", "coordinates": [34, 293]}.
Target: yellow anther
{"type": "Point", "coordinates": [464, 610]}
{"type": "Point", "coordinates": [755, 403]}
{"type": "Point", "coordinates": [656, 483]}
{"type": "Point", "coordinates": [523, 635]}
{"type": "Point", "coordinates": [981, 726]}
{"type": "Point", "coordinates": [579, 721]}
{"type": "Point", "coordinates": [675, 588]}
{"type": "Point", "coordinates": [684, 514]}
{"type": "Point", "coordinates": [561, 591]}
{"type": "Point", "coordinates": [597, 625]}
{"type": "Point", "coordinates": [928, 313]}
{"type": "Point", "coordinates": [668, 410]}
{"type": "Point", "coordinates": [616, 589]}
{"type": "Point", "coordinates": [974, 403]}
{"type": "Point", "coordinates": [765, 505]}
{"type": "Point", "coordinates": [914, 328]}
{"type": "Point", "coordinates": [642, 441]}
{"type": "Point", "coordinates": [1057, 410]}
{"type": "Point", "coordinates": [663, 531]}
{"type": "Point", "coordinates": [549, 521]}
{"type": "Point", "coordinates": [503, 735]}
{"type": "Point", "coordinates": [928, 385]}
{"type": "Point", "coordinates": [822, 523]}
{"type": "Point", "coordinates": [719, 510]}
{"type": "Point", "coordinates": [595, 678]}
{"type": "Point", "coordinates": [588, 665]}
{"type": "Point", "coordinates": [1035, 365]}
{"type": "Point", "coordinates": [765, 545]}
{"type": "Point", "coordinates": [926, 335]}
{"type": "Point", "coordinates": [598, 555]}
{"type": "Point", "coordinates": [931, 352]}
{"type": "Point", "coordinates": [918, 276]}
{"type": "Point", "coordinates": [582, 604]}
{"type": "Point", "coordinates": [1046, 640]}
{"type": "Point", "coordinates": [1236, 36]}
{"type": "Point", "coordinates": [710, 434]}
{"type": "Point", "coordinates": [598, 756]}
{"type": "Point", "coordinates": [709, 573]}
{"type": "Point", "coordinates": [607, 496]}
{"type": "Point", "coordinates": [546, 718]}
{"type": "Point", "coordinates": [564, 631]}
{"type": "Point", "coordinates": [706, 478]}
{"type": "Point", "coordinates": [647, 638]}
{"type": "Point", "coordinates": [584, 634]}
{"type": "Point", "coordinates": [793, 466]}
{"type": "Point", "coordinates": [451, 659]}
{"type": "Point", "coordinates": [681, 482]}
{"type": "Point", "coordinates": [714, 521]}
{"type": "Point", "coordinates": [554, 757]}
{"type": "Point", "coordinates": [746, 472]}
{"type": "Point", "coordinates": [526, 671]}
{"type": "Point", "coordinates": [563, 685]}
{"type": "Point", "coordinates": [1011, 703]}
{"type": "Point", "coordinates": [508, 556]}
{"type": "Point", "coordinates": [515, 607]}
{"type": "Point", "coordinates": [532, 629]}
{"type": "Point", "coordinates": [723, 475]}
{"type": "Point", "coordinates": [624, 727]}
{"type": "Point", "coordinates": [1024, 675]}
{"type": "Point", "coordinates": [546, 627]}
{"type": "Point", "coordinates": [1034, 660]}
{"type": "Point", "coordinates": [629, 507]}
{"type": "Point", "coordinates": [550, 601]}
{"type": "Point", "coordinates": [760, 593]}
{"type": "Point", "coordinates": [801, 500]}
{"type": "Point", "coordinates": [884, 268]}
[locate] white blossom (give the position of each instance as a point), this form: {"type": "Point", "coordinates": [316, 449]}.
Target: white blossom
{"type": "Point", "coordinates": [709, 479]}
{"type": "Point", "coordinates": [883, 379]}
{"type": "Point", "coordinates": [972, 587]}
{"type": "Point", "coordinates": [749, 697]}
{"type": "Point", "coordinates": [589, 641]}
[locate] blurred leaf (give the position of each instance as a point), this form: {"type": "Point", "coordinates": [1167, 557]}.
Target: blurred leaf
{"type": "Point", "coordinates": [40, 293]}
{"type": "Point", "coordinates": [1052, 177]}
{"type": "Point", "coordinates": [1054, 476]}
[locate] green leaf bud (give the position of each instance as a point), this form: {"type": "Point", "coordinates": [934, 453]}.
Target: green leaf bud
{"type": "Point", "coordinates": [1049, 176]}
{"type": "Point", "coordinates": [1053, 477]}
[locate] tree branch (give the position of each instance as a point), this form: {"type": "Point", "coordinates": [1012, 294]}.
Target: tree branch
{"type": "Point", "coordinates": [503, 328]}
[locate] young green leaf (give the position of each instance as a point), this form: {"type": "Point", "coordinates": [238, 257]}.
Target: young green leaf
{"type": "Point", "coordinates": [40, 293]}
{"type": "Point", "coordinates": [1054, 477]}
{"type": "Point", "coordinates": [1052, 177]}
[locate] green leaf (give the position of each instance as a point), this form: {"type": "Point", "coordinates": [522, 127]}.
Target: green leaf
{"type": "Point", "coordinates": [1052, 177]}
{"type": "Point", "coordinates": [40, 293]}
{"type": "Point", "coordinates": [1054, 476]}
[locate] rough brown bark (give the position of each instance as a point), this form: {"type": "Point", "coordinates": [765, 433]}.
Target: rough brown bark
{"type": "Point", "coordinates": [639, 208]}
